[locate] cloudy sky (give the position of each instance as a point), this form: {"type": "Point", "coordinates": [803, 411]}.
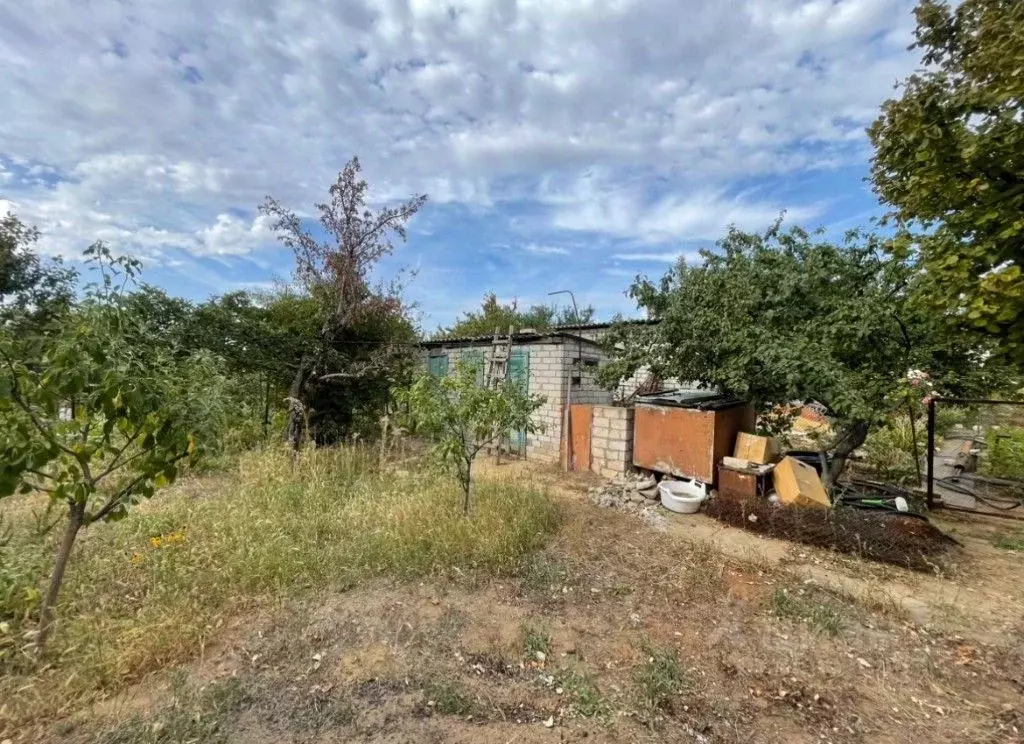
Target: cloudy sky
{"type": "Point", "coordinates": [564, 144]}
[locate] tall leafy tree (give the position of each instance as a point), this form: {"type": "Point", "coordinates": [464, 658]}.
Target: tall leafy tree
{"type": "Point", "coordinates": [31, 288]}
{"type": "Point", "coordinates": [784, 315]}
{"type": "Point", "coordinates": [949, 158]}
{"type": "Point", "coordinates": [494, 316]}
{"type": "Point", "coordinates": [335, 272]}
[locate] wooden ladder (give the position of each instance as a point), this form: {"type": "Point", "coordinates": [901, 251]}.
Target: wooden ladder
{"type": "Point", "coordinates": [497, 365]}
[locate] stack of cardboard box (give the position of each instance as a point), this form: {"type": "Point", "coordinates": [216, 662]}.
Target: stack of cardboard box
{"type": "Point", "coordinates": [745, 474]}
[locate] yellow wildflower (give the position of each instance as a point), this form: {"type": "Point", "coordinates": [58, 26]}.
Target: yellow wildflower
{"type": "Point", "coordinates": [155, 542]}
{"type": "Point", "coordinates": [137, 558]}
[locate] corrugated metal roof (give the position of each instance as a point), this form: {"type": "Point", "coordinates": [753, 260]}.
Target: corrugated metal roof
{"type": "Point", "coordinates": [517, 338]}
{"type": "Point", "coordinates": [703, 399]}
{"type": "Point", "coordinates": [529, 334]}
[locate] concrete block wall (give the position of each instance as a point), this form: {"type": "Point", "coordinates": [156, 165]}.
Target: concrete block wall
{"type": "Point", "coordinates": [611, 441]}
{"type": "Point", "coordinates": [547, 378]}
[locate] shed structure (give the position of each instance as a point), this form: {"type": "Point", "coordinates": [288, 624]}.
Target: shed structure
{"type": "Point", "coordinates": [560, 365]}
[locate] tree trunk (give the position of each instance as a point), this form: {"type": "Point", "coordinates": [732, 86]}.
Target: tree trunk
{"type": "Point", "coordinates": [296, 405]}
{"type": "Point", "coordinates": [266, 407]}
{"type": "Point", "coordinates": [466, 480]}
{"type": "Point", "coordinates": [852, 438]}
{"type": "Point", "coordinates": [76, 516]}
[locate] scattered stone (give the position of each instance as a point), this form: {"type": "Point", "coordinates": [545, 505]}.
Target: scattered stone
{"type": "Point", "coordinates": [646, 484]}
{"type": "Point", "coordinates": [627, 496]}
{"type": "Point", "coordinates": [651, 494]}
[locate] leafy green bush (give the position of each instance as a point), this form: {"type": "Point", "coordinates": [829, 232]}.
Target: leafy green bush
{"type": "Point", "coordinates": [889, 449]}
{"type": "Point", "coordinates": [1004, 453]}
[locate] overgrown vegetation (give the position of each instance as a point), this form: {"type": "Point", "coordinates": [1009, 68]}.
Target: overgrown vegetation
{"type": "Point", "coordinates": [336, 274]}
{"type": "Point", "coordinates": [1004, 453]}
{"type": "Point", "coordinates": [152, 588]}
{"type": "Point", "coordinates": [891, 448]}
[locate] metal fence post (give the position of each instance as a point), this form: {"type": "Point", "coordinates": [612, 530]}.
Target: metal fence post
{"type": "Point", "coordinates": [931, 453]}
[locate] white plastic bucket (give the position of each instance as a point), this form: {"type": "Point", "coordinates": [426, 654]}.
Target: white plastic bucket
{"type": "Point", "coordinates": [683, 496]}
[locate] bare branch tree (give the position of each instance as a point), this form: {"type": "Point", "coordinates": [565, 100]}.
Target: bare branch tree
{"type": "Point", "coordinates": [336, 272]}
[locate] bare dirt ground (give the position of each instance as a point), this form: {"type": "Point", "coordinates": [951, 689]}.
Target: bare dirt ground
{"type": "Point", "coordinates": [616, 633]}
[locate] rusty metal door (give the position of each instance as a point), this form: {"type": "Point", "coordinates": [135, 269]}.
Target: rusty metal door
{"type": "Point", "coordinates": [581, 417]}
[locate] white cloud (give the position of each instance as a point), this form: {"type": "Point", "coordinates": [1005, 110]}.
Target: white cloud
{"type": "Point", "coordinates": [545, 250]}
{"type": "Point", "coordinates": [230, 235]}
{"type": "Point", "coordinates": [596, 202]}
{"type": "Point", "coordinates": [663, 257]}
{"type": "Point", "coordinates": [152, 126]}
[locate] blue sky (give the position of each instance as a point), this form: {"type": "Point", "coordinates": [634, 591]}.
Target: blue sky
{"type": "Point", "coordinates": [564, 144]}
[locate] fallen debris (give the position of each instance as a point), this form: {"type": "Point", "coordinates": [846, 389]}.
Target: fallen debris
{"type": "Point", "coordinates": [634, 495]}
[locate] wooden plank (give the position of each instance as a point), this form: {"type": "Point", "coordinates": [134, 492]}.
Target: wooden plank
{"type": "Point", "coordinates": [581, 419]}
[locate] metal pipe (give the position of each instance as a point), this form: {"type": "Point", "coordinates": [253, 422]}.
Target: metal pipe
{"type": "Point", "coordinates": [981, 401]}
{"type": "Point", "coordinates": [567, 420]}
{"type": "Point", "coordinates": [931, 454]}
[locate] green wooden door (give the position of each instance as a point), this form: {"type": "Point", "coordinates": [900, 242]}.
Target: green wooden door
{"type": "Point", "coordinates": [438, 365]}
{"type": "Point", "coordinates": [519, 372]}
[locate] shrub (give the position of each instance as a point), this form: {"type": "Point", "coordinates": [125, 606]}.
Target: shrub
{"type": "Point", "coordinates": [1005, 453]}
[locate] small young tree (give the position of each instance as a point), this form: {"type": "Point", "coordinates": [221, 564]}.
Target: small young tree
{"type": "Point", "coordinates": [95, 416]}
{"type": "Point", "coordinates": [465, 417]}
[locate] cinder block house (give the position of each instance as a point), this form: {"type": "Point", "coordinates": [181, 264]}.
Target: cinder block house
{"type": "Point", "coordinates": [560, 364]}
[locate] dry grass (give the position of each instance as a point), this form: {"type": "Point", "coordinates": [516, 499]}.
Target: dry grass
{"type": "Point", "coordinates": [645, 637]}
{"type": "Point", "coordinates": [153, 589]}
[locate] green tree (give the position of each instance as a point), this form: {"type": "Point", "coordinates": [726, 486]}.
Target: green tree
{"type": "Point", "coordinates": [464, 417]}
{"type": "Point", "coordinates": [95, 417]}
{"type": "Point", "coordinates": [949, 158]}
{"type": "Point", "coordinates": [496, 316]}
{"type": "Point", "coordinates": [30, 288]}
{"type": "Point", "coordinates": [335, 273]}
{"type": "Point", "coordinates": [782, 316]}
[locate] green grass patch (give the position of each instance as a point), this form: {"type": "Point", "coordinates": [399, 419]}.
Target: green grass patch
{"type": "Point", "coordinates": [585, 698]}
{"type": "Point", "coordinates": [820, 615]}
{"type": "Point", "coordinates": [150, 590]}
{"type": "Point", "coordinates": [536, 643]}
{"type": "Point", "coordinates": [447, 698]}
{"type": "Point", "coordinates": [661, 678]}
{"type": "Point", "coordinates": [1013, 541]}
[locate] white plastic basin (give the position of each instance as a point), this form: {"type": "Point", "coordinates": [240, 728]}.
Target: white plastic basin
{"type": "Point", "coordinates": [683, 496]}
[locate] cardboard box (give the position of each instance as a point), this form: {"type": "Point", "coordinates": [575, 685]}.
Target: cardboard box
{"type": "Point", "coordinates": [760, 450]}
{"type": "Point", "coordinates": [798, 483]}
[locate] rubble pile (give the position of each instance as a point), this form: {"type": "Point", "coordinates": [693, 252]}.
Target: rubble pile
{"type": "Point", "coordinates": [636, 495]}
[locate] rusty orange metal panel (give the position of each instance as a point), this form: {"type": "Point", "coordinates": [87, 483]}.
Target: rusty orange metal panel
{"type": "Point", "coordinates": [580, 423]}
{"type": "Point", "coordinates": [728, 423]}
{"type": "Point", "coordinates": [686, 442]}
